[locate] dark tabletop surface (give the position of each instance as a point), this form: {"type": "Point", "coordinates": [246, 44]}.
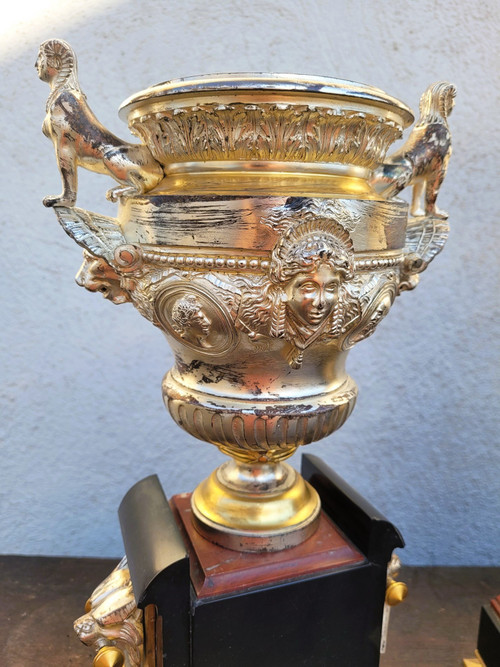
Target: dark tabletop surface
{"type": "Point", "coordinates": [436, 626]}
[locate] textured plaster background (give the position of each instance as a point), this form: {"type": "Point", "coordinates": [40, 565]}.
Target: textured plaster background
{"type": "Point", "coordinates": [82, 414]}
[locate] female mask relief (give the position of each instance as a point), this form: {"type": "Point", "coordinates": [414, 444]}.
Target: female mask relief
{"type": "Point", "coordinates": [306, 298]}
{"type": "Point", "coordinates": [311, 264]}
{"type": "Point", "coordinates": [310, 297]}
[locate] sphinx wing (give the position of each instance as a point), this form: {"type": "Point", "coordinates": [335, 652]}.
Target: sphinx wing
{"type": "Point", "coordinates": [425, 238]}
{"type": "Point", "coordinates": [96, 233]}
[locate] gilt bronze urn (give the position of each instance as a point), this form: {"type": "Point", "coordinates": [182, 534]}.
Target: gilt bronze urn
{"type": "Point", "coordinates": [258, 226]}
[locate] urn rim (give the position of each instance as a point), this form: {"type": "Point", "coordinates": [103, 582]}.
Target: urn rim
{"type": "Point", "coordinates": [271, 84]}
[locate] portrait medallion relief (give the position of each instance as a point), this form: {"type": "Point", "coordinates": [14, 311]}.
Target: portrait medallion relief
{"type": "Point", "coordinates": [190, 313]}
{"type": "Point", "coordinates": [190, 320]}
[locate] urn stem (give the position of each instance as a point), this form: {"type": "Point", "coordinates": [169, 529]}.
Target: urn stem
{"type": "Point", "coordinates": [255, 507]}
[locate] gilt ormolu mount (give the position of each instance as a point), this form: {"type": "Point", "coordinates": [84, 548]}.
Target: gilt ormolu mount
{"type": "Point", "coordinates": [259, 228]}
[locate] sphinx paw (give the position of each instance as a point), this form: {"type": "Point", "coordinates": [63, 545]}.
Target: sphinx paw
{"type": "Point", "coordinates": [112, 195]}
{"type": "Point", "coordinates": [418, 212]}
{"type": "Point", "coordinates": [437, 213]}
{"type": "Point", "coordinates": [121, 191]}
{"type": "Point", "coordinates": [51, 201]}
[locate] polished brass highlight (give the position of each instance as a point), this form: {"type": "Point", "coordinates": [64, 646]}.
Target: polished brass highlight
{"type": "Point", "coordinates": [258, 227]}
{"type": "Point", "coordinates": [395, 593]}
{"type": "Point", "coordinates": [474, 662]}
{"type": "Point", "coordinates": [256, 506]}
{"type": "Point", "coordinates": [109, 656]}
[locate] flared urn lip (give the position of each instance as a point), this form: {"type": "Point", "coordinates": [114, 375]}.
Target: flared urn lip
{"type": "Point", "coordinates": [271, 85]}
{"type": "Point", "coordinates": [267, 122]}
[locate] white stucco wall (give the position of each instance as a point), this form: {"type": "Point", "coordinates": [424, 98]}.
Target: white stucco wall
{"type": "Point", "coordinates": [82, 414]}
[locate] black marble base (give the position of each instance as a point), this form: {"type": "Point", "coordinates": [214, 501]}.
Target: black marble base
{"type": "Point", "coordinates": [329, 618]}
{"type": "Point", "coordinates": [488, 641]}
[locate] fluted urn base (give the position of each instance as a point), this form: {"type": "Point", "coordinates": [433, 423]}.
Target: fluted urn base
{"type": "Point", "coordinates": [256, 502]}
{"type": "Point", "coordinates": [260, 431]}
{"type": "Point", "coordinates": [255, 507]}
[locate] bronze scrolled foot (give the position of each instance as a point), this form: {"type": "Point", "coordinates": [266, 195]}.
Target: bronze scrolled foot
{"type": "Point", "coordinates": [112, 623]}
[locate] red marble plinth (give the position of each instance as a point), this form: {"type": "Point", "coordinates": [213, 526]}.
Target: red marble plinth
{"type": "Point", "coordinates": [217, 571]}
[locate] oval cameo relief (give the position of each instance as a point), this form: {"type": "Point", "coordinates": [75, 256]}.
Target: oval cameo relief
{"type": "Point", "coordinates": [194, 316]}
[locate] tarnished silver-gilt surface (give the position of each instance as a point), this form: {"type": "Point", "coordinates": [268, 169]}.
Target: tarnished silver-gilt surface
{"type": "Point", "coordinates": [258, 227]}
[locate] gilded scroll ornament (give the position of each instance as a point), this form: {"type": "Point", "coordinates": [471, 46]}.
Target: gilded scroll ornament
{"type": "Point", "coordinates": [273, 244]}
{"type": "Point", "coordinates": [112, 621]}
{"type": "Point", "coordinates": [375, 293]}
